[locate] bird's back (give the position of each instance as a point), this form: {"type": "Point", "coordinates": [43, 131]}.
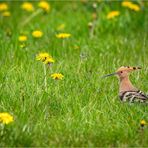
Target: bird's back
{"type": "Point", "coordinates": [133, 96]}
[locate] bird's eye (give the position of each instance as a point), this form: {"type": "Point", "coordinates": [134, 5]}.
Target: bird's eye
{"type": "Point", "coordinates": [121, 71]}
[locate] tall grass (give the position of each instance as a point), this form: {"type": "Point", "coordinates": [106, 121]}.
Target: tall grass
{"type": "Point", "coordinates": [82, 109]}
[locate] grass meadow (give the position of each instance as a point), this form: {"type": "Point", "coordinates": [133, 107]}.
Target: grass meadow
{"type": "Point", "coordinates": [82, 109]}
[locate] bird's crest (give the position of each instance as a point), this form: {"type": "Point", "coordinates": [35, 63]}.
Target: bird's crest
{"type": "Point", "coordinates": [121, 69]}
{"type": "Point", "coordinates": [127, 68]}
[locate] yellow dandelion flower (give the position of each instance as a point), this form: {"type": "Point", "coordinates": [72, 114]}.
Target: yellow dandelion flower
{"type": "Point", "coordinates": [6, 14]}
{"type": "Point", "coordinates": [27, 6]}
{"type": "Point", "coordinates": [6, 118]}
{"type": "Point", "coordinates": [22, 38]}
{"type": "Point", "coordinates": [42, 56]}
{"type": "Point", "coordinates": [45, 58]}
{"type": "Point", "coordinates": [134, 7]}
{"type": "Point", "coordinates": [126, 3]}
{"type": "Point", "coordinates": [57, 76]}
{"type": "Point", "coordinates": [48, 60]}
{"type": "Point", "coordinates": [3, 7]}
{"type": "Point", "coordinates": [63, 35]}
{"type": "Point", "coordinates": [37, 34]}
{"type": "Point", "coordinates": [113, 14]}
{"type": "Point", "coordinates": [131, 5]}
{"type": "Point", "coordinates": [142, 123]}
{"type": "Point", "coordinates": [44, 5]}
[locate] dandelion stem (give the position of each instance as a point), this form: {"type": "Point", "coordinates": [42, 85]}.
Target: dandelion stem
{"type": "Point", "coordinates": [63, 43]}
{"type": "Point", "coordinates": [45, 77]}
{"type": "Point", "coordinates": [92, 29]}
{"type": "Point", "coordinates": [79, 66]}
{"type": "Point", "coordinates": [31, 17]}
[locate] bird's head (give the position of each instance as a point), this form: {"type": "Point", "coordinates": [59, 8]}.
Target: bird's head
{"type": "Point", "coordinates": [123, 71]}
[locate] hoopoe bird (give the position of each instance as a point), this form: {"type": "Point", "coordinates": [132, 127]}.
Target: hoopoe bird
{"type": "Point", "coordinates": [127, 92]}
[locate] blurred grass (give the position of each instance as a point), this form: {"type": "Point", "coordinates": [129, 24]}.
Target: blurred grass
{"type": "Point", "coordinates": [83, 109]}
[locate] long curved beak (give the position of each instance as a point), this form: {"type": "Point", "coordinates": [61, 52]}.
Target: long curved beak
{"type": "Point", "coordinates": [112, 74]}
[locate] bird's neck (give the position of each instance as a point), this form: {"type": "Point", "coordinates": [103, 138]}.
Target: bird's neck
{"type": "Point", "coordinates": [126, 85]}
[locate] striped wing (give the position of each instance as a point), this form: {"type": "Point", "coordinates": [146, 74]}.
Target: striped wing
{"type": "Point", "coordinates": [133, 96]}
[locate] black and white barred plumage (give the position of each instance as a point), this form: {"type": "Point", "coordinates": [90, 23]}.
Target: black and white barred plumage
{"type": "Point", "coordinates": [133, 96]}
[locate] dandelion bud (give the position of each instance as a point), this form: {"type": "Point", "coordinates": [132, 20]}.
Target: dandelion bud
{"type": "Point", "coordinates": [94, 16]}
{"type": "Point", "coordinates": [142, 123]}
{"type": "Point", "coordinates": [90, 25]}
{"type": "Point", "coordinates": [94, 5]}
